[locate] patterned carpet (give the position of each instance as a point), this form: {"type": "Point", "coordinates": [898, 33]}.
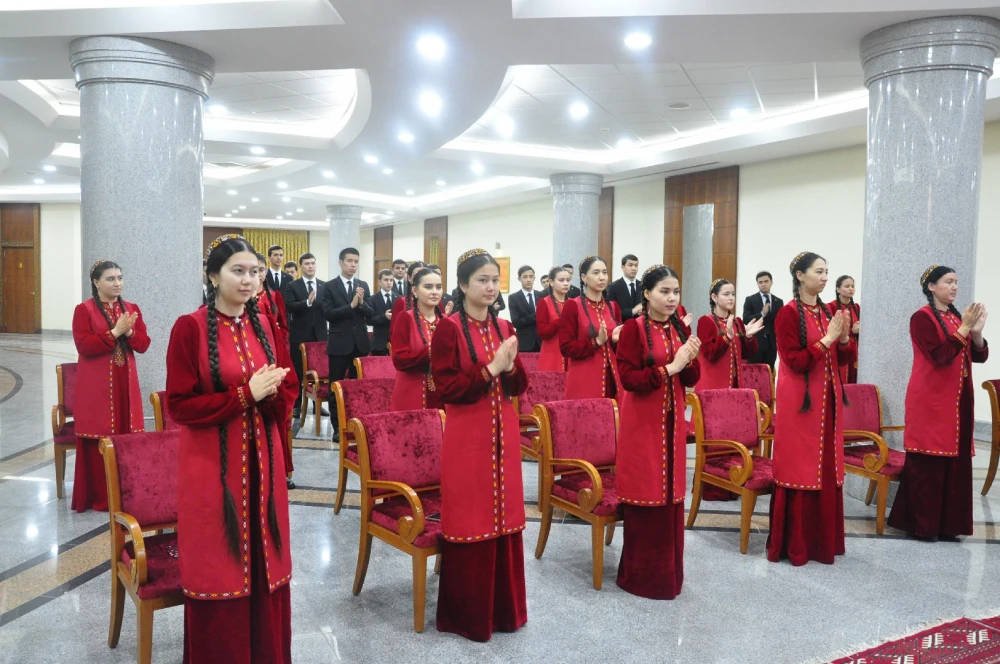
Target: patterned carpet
{"type": "Point", "coordinates": [959, 641]}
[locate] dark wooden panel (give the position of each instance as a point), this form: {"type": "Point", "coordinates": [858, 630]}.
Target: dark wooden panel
{"type": "Point", "coordinates": [383, 251]}
{"type": "Point", "coordinates": [606, 225]}
{"type": "Point", "coordinates": [724, 267]}
{"type": "Point", "coordinates": [209, 233]}
{"type": "Point", "coordinates": [17, 221]}
{"type": "Point", "coordinates": [719, 187]}
{"type": "Point", "coordinates": [20, 268]}
{"type": "Point", "coordinates": [724, 241]}
{"type": "Point", "coordinates": [436, 245]}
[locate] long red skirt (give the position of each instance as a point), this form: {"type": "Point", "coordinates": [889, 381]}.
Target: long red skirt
{"type": "Point", "coordinates": [935, 493]}
{"type": "Point", "coordinates": [482, 588]}
{"type": "Point", "coordinates": [652, 562]}
{"type": "Point", "coordinates": [809, 525]}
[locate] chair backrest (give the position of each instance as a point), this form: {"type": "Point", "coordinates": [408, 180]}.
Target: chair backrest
{"type": "Point", "coordinates": [542, 386]}
{"type": "Point", "coordinates": [160, 413]}
{"type": "Point", "coordinates": [375, 366]}
{"type": "Point", "coordinates": [758, 377]}
{"type": "Point", "coordinates": [404, 446]}
{"type": "Point", "coordinates": [730, 414]}
{"type": "Point", "coordinates": [356, 397]}
{"type": "Point", "coordinates": [580, 429]}
{"type": "Point", "coordinates": [992, 388]}
{"type": "Point", "coordinates": [142, 475]}
{"type": "Point", "coordinates": [529, 361]}
{"type": "Point", "coordinates": [863, 408]}
{"type": "Point", "coordinates": [66, 383]}
{"type": "Point", "coordinates": [314, 358]}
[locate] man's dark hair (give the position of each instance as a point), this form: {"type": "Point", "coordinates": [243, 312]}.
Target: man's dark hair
{"type": "Point", "coordinates": [763, 273]}
{"type": "Point", "coordinates": [348, 251]}
{"type": "Point", "coordinates": [629, 257]}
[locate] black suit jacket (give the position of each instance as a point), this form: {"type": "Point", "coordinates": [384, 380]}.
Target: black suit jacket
{"type": "Point", "coordinates": [283, 280]}
{"type": "Point", "coordinates": [380, 324]}
{"type": "Point", "coordinates": [618, 292]}
{"type": "Point", "coordinates": [400, 292]}
{"type": "Point", "coordinates": [752, 308]}
{"type": "Point", "coordinates": [348, 326]}
{"type": "Point", "coordinates": [503, 305]}
{"type": "Point", "coordinates": [305, 323]}
{"type": "Point", "coordinates": [573, 292]}
{"type": "Point", "coordinates": [522, 315]}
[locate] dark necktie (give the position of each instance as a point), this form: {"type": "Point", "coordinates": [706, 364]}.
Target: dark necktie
{"type": "Point", "coordinates": [350, 290]}
{"type": "Point", "coordinates": [309, 287]}
{"type": "Point", "coordinates": [387, 301]}
{"type": "Point", "coordinates": [631, 290]}
{"type": "Point", "coordinates": [531, 301]}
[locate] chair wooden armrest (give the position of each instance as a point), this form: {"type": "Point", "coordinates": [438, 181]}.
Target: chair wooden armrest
{"type": "Point", "coordinates": [311, 378]}
{"type": "Point", "coordinates": [765, 417]}
{"type": "Point", "coordinates": [529, 427]}
{"type": "Point", "coordinates": [872, 462]}
{"type": "Point", "coordinates": [529, 421]}
{"type": "Point", "coordinates": [737, 476]}
{"type": "Point", "coordinates": [138, 566]}
{"type": "Point", "coordinates": [587, 498]}
{"type": "Point", "coordinates": [899, 428]}
{"type": "Point", "coordinates": [58, 419]}
{"type": "Point", "coordinates": [410, 527]}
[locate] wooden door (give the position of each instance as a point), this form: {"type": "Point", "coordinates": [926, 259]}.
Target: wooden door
{"type": "Point", "coordinates": [20, 283]}
{"type": "Point", "coordinates": [383, 253]}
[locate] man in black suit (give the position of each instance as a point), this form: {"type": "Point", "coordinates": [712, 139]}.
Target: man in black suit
{"type": "Point", "coordinates": [276, 277]}
{"type": "Point", "coordinates": [627, 291]}
{"type": "Point", "coordinates": [382, 313]}
{"type": "Point", "coordinates": [763, 305]}
{"type": "Point", "coordinates": [345, 304]}
{"type": "Point", "coordinates": [305, 318]}
{"type": "Point", "coordinates": [573, 290]}
{"type": "Point", "coordinates": [522, 311]}
{"type": "Point", "coordinates": [400, 286]}
{"type": "Point", "coordinates": [292, 270]}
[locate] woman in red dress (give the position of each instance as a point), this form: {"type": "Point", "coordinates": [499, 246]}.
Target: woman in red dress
{"type": "Point", "coordinates": [547, 318]}
{"type": "Point", "coordinates": [725, 341]}
{"type": "Point", "coordinates": [657, 359]}
{"type": "Point", "coordinates": [845, 302]}
{"type": "Point", "coordinates": [807, 507]}
{"type": "Point", "coordinates": [588, 333]}
{"type": "Point", "coordinates": [477, 372]}
{"type": "Point", "coordinates": [229, 386]}
{"type": "Point", "coordinates": [272, 304]}
{"type": "Point", "coordinates": [108, 331]}
{"type": "Point", "coordinates": [411, 345]}
{"type": "Point", "coordinates": [934, 500]}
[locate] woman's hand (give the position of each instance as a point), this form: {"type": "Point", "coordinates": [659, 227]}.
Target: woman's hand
{"type": "Point", "coordinates": [265, 381]}
{"type": "Point", "coordinates": [124, 324]}
{"type": "Point", "coordinates": [754, 326]}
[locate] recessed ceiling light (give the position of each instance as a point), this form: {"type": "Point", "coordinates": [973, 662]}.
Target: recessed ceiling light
{"type": "Point", "coordinates": [387, 171]}
{"type": "Point", "coordinates": [231, 192]}
{"type": "Point", "coordinates": [638, 41]}
{"type": "Point", "coordinates": [243, 207]}
{"type": "Point", "coordinates": [440, 183]}
{"type": "Point", "coordinates": [329, 174]}
{"type": "Point", "coordinates": [282, 185]}
{"type": "Point", "coordinates": [624, 143]}
{"type": "Point", "coordinates": [279, 217]}
{"type": "Point", "coordinates": [371, 159]}
{"type": "Point", "coordinates": [217, 110]}
{"type": "Point", "coordinates": [228, 215]}
{"type": "Point", "coordinates": [739, 113]}
{"type": "Point", "coordinates": [285, 199]}
{"type": "Point", "coordinates": [477, 168]}
{"type": "Point", "coordinates": [78, 137]}
{"type": "Point", "coordinates": [39, 181]}
{"type": "Point", "coordinates": [405, 137]}
{"type": "Point", "coordinates": [390, 212]}
{"type": "Point", "coordinates": [679, 105]}
{"type": "Point", "coordinates": [409, 192]}
{"type": "Point", "coordinates": [431, 47]}
{"type": "Point", "coordinates": [255, 200]}
{"type": "Point", "coordinates": [49, 168]}
{"type": "Point", "coordinates": [300, 209]}
{"type": "Point", "coordinates": [430, 103]}
{"type": "Point", "coordinates": [257, 150]}
{"type": "Point", "coordinates": [288, 214]}
{"type": "Point", "coordinates": [504, 125]}
{"type": "Point", "coordinates": [578, 110]}
{"type": "Point", "coordinates": [236, 211]}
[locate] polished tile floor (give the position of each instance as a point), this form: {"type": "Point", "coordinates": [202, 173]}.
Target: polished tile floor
{"type": "Point", "coordinates": [54, 579]}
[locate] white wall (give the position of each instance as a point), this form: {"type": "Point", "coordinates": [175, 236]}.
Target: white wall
{"type": "Point", "coordinates": [638, 225]}
{"type": "Point", "coordinates": [60, 264]}
{"type": "Point", "coordinates": [408, 241]}
{"type": "Point", "coordinates": [319, 246]}
{"type": "Point", "coordinates": [367, 258]}
{"type": "Point", "coordinates": [987, 265]}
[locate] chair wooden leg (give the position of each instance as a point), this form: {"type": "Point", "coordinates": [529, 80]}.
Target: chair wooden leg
{"type": "Point", "coordinates": [610, 534]}
{"type": "Point", "coordinates": [303, 408]}
{"type": "Point", "coordinates": [872, 484]}
{"type": "Point", "coordinates": [695, 498]}
{"type": "Point", "coordinates": [364, 554]}
{"type": "Point", "coordinates": [543, 532]}
{"type": "Point", "coordinates": [883, 498]}
{"type": "Point", "coordinates": [144, 628]}
{"type": "Point", "coordinates": [746, 513]}
{"type": "Point", "coordinates": [437, 564]}
{"type": "Point", "coordinates": [419, 590]}
{"type": "Point", "coordinates": [319, 415]}
{"type": "Point", "coordinates": [990, 474]}
{"type": "Point", "coordinates": [61, 472]}
{"type": "Point", "coordinates": [597, 552]}
{"type": "Point", "coordinates": [767, 447]}
{"type": "Point", "coordinates": [341, 487]}
{"type": "Point", "coordinates": [117, 608]}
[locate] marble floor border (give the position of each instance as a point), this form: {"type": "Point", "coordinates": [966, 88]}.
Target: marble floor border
{"type": "Point", "coordinates": [18, 384]}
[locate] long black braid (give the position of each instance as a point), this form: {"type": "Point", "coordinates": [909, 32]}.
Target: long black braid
{"type": "Point", "coordinates": [96, 272]}
{"type": "Point", "coordinates": [650, 279]}
{"type": "Point", "coordinates": [267, 287]}
{"type": "Point", "coordinates": [553, 273]}
{"type": "Point", "coordinates": [468, 264]}
{"type": "Point", "coordinates": [932, 276]}
{"type": "Point", "coordinates": [802, 263]}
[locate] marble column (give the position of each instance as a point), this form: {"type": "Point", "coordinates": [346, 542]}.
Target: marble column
{"type": "Point", "coordinates": [142, 156]}
{"type": "Point", "coordinates": [345, 231]}
{"type": "Point", "coordinates": [574, 221]}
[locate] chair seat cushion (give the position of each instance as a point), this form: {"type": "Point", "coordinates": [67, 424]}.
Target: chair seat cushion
{"type": "Point", "coordinates": [762, 477]}
{"type": "Point", "coordinates": [163, 571]}
{"type": "Point", "coordinates": [67, 435]}
{"type": "Point", "coordinates": [854, 455]}
{"type": "Point", "coordinates": [568, 487]}
{"type": "Point", "coordinates": [321, 392]}
{"type": "Point", "coordinates": [352, 454]}
{"type": "Point", "coordinates": [388, 513]}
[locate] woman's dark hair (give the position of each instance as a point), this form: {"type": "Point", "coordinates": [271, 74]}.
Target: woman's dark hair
{"type": "Point", "coordinates": [650, 279]}
{"type": "Point", "coordinates": [267, 286]}
{"type": "Point", "coordinates": [417, 278]}
{"type": "Point", "coordinates": [585, 266]}
{"type": "Point", "coordinates": [714, 290]}
{"type": "Point", "coordinates": [801, 263]}
{"type": "Point", "coordinates": [96, 272]}
{"type": "Point", "coordinates": [553, 273]}
{"type": "Point", "coordinates": [472, 263]}
{"type": "Point", "coordinates": [410, 271]}
{"type": "Point", "coordinates": [933, 276]}
{"type": "Point", "coordinates": [217, 257]}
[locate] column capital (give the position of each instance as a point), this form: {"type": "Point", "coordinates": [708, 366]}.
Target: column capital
{"type": "Point", "coordinates": [951, 42]}
{"type": "Point", "coordinates": [576, 183]}
{"type": "Point", "coordinates": [336, 212]}
{"type": "Point", "coordinates": [140, 60]}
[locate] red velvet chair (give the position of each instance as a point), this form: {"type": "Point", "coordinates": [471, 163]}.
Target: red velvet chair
{"type": "Point", "coordinates": [579, 440]}
{"type": "Point", "coordinates": [865, 451]}
{"type": "Point", "coordinates": [315, 380]}
{"type": "Point", "coordinates": [355, 398]}
{"type": "Point", "coordinates": [760, 377]}
{"type": "Point", "coordinates": [400, 459]}
{"type": "Point", "coordinates": [375, 366]}
{"type": "Point", "coordinates": [529, 361]}
{"type": "Point", "coordinates": [542, 386]}
{"type": "Point", "coordinates": [141, 471]}
{"type": "Point", "coordinates": [992, 388]}
{"type": "Point", "coordinates": [160, 415]}
{"type": "Point", "coordinates": [727, 426]}
{"type": "Point", "coordinates": [63, 427]}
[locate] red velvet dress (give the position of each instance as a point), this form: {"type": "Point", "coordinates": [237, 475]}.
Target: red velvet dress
{"type": "Point", "coordinates": [592, 371]}
{"type": "Point", "coordinates": [547, 317]}
{"type": "Point", "coordinates": [279, 318]}
{"type": "Point", "coordinates": [107, 399]}
{"type": "Point", "coordinates": [651, 462]}
{"type": "Point", "coordinates": [849, 373]}
{"type": "Point", "coordinates": [235, 609]}
{"type": "Point", "coordinates": [807, 506]}
{"type": "Point", "coordinates": [482, 512]}
{"type": "Point", "coordinates": [935, 492]}
{"type": "Point", "coordinates": [411, 355]}
{"type": "Point", "coordinates": [399, 305]}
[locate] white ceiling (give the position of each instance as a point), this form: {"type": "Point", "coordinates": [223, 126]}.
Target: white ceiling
{"type": "Point", "coordinates": [320, 84]}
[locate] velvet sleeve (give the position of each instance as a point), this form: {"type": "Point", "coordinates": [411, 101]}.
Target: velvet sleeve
{"type": "Point", "coordinates": [517, 378]}
{"type": "Point", "coordinates": [631, 358]}
{"type": "Point", "coordinates": [846, 353]}
{"type": "Point", "coordinates": [570, 343]}
{"type": "Point", "coordinates": [282, 316]}
{"type": "Point", "coordinates": [749, 344]}
{"type": "Point", "coordinates": [713, 344]}
{"type": "Point", "coordinates": [139, 341]}
{"type": "Point", "coordinates": [454, 384]}
{"type": "Point", "coordinates": [926, 334]}
{"type": "Point", "coordinates": [398, 307]}
{"type": "Point", "coordinates": [546, 325]}
{"type": "Point", "coordinates": [408, 353]}
{"type": "Point", "coordinates": [793, 355]}
{"type": "Point", "coordinates": [90, 343]}
{"type": "Point", "coordinates": [278, 406]}
{"type": "Point", "coordinates": [691, 373]}
{"type": "Point", "coordinates": [980, 355]}
{"type": "Point", "coordinates": [186, 402]}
